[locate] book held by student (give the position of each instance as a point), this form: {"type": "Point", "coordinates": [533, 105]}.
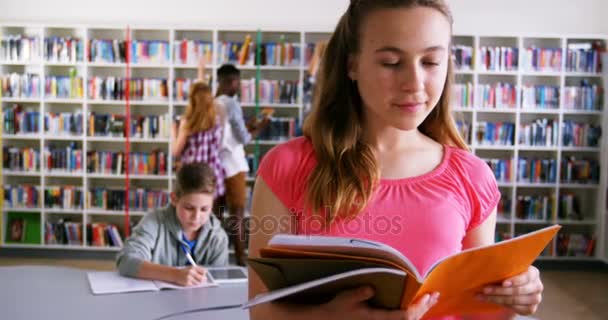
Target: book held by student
{"type": "Point", "coordinates": [313, 269]}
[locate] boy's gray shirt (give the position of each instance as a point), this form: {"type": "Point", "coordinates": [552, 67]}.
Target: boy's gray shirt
{"type": "Point", "coordinates": [157, 238]}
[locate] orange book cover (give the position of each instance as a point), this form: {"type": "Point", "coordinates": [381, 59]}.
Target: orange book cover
{"type": "Point", "coordinates": [312, 268]}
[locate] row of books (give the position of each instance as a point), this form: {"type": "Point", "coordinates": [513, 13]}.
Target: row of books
{"type": "Point", "coordinates": [141, 51]}
{"type": "Point", "coordinates": [21, 196]}
{"type": "Point", "coordinates": [115, 88]}
{"type": "Point", "coordinates": [313, 52]}
{"type": "Point", "coordinates": [63, 231]}
{"type": "Point", "coordinates": [189, 51]}
{"type": "Point", "coordinates": [503, 209]}
{"type": "Point", "coordinates": [580, 134]}
{"type": "Point", "coordinates": [114, 199]}
{"type": "Point", "coordinates": [64, 87]}
{"type": "Point", "coordinates": [575, 244]}
{"type": "Point", "coordinates": [143, 127]}
{"type": "Point", "coordinates": [584, 57]}
{"type": "Point", "coordinates": [540, 97]}
{"type": "Point", "coordinates": [462, 95]}
{"type": "Point", "coordinates": [107, 51]}
{"type": "Point", "coordinates": [103, 235]}
{"type": "Point", "coordinates": [270, 91]}
{"type": "Point", "coordinates": [63, 50]}
{"type": "Point", "coordinates": [280, 129]}
{"type": "Point", "coordinates": [534, 207]}
{"type": "Point", "coordinates": [504, 95]}
{"type": "Point", "coordinates": [498, 58]}
{"type": "Point", "coordinates": [150, 51]}
{"type": "Point", "coordinates": [576, 170]}
{"type": "Point", "coordinates": [280, 53]}
{"type": "Point", "coordinates": [140, 163]}
{"type": "Point", "coordinates": [63, 159]}
{"type": "Point", "coordinates": [542, 59]}
{"type": "Point", "coordinates": [72, 197]}
{"type": "Point", "coordinates": [462, 56]}
{"type": "Point", "coordinates": [63, 123]}
{"type": "Point", "coordinates": [495, 133]}
{"type": "Point", "coordinates": [536, 170]}
{"type": "Point", "coordinates": [587, 96]}
{"type": "Point", "coordinates": [19, 48]}
{"type": "Point", "coordinates": [16, 120]}
{"type": "Point", "coordinates": [541, 132]}
{"type": "Point", "coordinates": [544, 170]}
{"type": "Point", "coordinates": [502, 168]}
{"type": "Point", "coordinates": [65, 197]}
{"type": "Point", "coordinates": [464, 129]}
{"type": "Point", "coordinates": [16, 85]}
{"type": "Point", "coordinates": [181, 88]}
{"type": "Point", "coordinates": [497, 96]}
{"type": "Point", "coordinates": [20, 159]}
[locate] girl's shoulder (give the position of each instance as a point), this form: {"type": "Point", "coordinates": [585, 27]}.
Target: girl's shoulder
{"type": "Point", "coordinates": [286, 167]}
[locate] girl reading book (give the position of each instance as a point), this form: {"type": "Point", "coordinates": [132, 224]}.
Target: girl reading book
{"type": "Point", "coordinates": [381, 159]}
{"type": "Point", "coordinates": [169, 244]}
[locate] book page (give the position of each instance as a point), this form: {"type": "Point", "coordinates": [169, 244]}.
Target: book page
{"type": "Point", "coordinates": [343, 246]}
{"type": "Point", "coordinates": [108, 282]}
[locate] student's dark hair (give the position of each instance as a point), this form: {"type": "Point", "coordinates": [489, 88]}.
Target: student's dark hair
{"type": "Point", "coordinates": [227, 71]}
{"type": "Point", "coordinates": [194, 178]}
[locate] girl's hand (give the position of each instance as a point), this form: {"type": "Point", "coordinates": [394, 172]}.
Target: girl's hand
{"type": "Point", "coordinates": [521, 293]}
{"type": "Point", "coordinates": [352, 305]}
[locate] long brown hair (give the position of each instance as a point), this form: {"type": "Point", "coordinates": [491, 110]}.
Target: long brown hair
{"type": "Point", "coordinates": [201, 112]}
{"type": "Point", "coordinates": [347, 170]}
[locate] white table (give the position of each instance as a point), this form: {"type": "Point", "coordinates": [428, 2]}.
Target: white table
{"type": "Point", "coordinates": [46, 293]}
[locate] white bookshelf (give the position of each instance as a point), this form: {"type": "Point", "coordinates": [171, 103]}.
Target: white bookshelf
{"type": "Point", "coordinates": [594, 221]}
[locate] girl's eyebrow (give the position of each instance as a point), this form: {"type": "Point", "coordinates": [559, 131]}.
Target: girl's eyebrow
{"type": "Point", "coordinates": [399, 51]}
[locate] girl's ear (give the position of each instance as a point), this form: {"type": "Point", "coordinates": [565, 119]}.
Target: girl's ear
{"type": "Point", "coordinates": [173, 198]}
{"type": "Point", "coordinates": [351, 65]}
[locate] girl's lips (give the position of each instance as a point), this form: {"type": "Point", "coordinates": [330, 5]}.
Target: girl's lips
{"type": "Point", "coordinates": [410, 107]}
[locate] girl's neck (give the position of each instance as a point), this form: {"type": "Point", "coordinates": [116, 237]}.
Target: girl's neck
{"type": "Point", "coordinates": [388, 138]}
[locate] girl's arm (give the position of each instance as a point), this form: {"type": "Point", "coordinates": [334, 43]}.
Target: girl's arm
{"type": "Point", "coordinates": [180, 139]}
{"type": "Point", "coordinates": [521, 294]}
{"type": "Point", "coordinates": [201, 69]}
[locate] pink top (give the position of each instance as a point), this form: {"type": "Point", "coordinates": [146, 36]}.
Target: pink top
{"type": "Point", "coordinates": [424, 217]}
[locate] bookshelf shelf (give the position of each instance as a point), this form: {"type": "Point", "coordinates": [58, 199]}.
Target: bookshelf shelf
{"type": "Point", "coordinates": [21, 100]}
{"type": "Point", "coordinates": [18, 209]}
{"type": "Point", "coordinates": [520, 81]}
{"type": "Point", "coordinates": [21, 136]}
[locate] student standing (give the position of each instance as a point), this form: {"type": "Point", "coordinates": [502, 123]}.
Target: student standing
{"type": "Point", "coordinates": [237, 134]}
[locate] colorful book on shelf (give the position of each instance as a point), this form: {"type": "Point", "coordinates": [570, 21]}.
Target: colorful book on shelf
{"type": "Point", "coordinates": [312, 269]}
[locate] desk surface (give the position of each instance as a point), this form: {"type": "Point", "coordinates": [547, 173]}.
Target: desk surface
{"type": "Point", "coordinates": [41, 292]}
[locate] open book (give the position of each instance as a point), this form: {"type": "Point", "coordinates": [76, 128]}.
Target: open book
{"type": "Point", "coordinates": [108, 282]}
{"type": "Point", "coordinates": [312, 269]}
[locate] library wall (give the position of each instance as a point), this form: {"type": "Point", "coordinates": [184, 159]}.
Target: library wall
{"type": "Point", "coordinates": [495, 16]}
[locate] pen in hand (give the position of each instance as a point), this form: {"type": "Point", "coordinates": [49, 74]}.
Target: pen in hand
{"type": "Point", "coordinates": [190, 259]}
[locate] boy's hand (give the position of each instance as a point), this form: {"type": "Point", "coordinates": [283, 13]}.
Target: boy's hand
{"type": "Point", "coordinates": [189, 276]}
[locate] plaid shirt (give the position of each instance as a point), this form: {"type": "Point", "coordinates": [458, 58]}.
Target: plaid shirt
{"type": "Point", "coordinates": [204, 146]}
